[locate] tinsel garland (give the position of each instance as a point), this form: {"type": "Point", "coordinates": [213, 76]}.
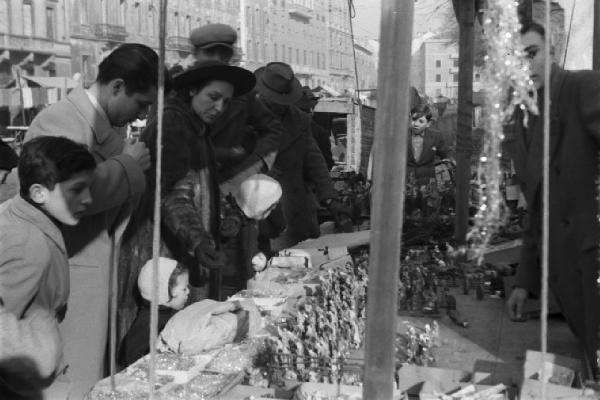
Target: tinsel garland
{"type": "Point", "coordinates": [507, 85]}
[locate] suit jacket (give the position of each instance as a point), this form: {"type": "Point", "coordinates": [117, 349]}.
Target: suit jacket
{"type": "Point", "coordinates": [118, 181]}
{"type": "Point", "coordinates": [298, 164]}
{"type": "Point", "coordinates": [574, 228]}
{"type": "Point", "coordinates": [433, 145]}
{"type": "Point", "coordinates": [247, 123]}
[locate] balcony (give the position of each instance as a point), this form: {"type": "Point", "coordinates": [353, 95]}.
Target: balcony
{"type": "Point", "coordinates": [297, 11]}
{"type": "Point", "coordinates": [34, 45]}
{"type": "Point", "coordinates": [179, 43]}
{"type": "Point", "coordinates": [111, 33]}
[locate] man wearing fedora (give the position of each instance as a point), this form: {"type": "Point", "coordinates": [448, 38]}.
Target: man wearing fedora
{"type": "Point", "coordinates": [307, 103]}
{"type": "Point", "coordinates": [299, 161]}
{"type": "Point", "coordinates": [246, 137]}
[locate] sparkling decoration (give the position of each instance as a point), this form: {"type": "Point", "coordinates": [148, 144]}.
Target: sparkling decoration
{"type": "Point", "coordinates": [507, 84]}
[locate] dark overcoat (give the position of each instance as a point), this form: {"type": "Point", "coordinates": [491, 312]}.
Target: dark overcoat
{"type": "Point", "coordinates": [299, 165]}
{"type": "Point", "coordinates": [574, 229]}
{"type": "Point", "coordinates": [433, 145]}
{"type": "Point", "coordinates": [248, 123]}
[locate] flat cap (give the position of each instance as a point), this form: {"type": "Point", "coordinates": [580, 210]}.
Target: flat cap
{"type": "Point", "coordinates": [211, 35]}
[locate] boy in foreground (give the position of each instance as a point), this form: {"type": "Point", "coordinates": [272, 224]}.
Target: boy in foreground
{"type": "Point", "coordinates": [55, 175]}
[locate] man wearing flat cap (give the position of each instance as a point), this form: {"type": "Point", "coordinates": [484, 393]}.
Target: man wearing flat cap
{"type": "Point", "coordinates": [246, 139]}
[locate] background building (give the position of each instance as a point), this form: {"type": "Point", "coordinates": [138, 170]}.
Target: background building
{"type": "Point", "coordinates": [71, 37]}
{"type": "Point", "coordinates": [434, 69]}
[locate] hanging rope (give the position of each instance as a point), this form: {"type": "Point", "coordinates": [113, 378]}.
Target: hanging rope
{"type": "Point", "coordinates": [569, 33]}
{"type": "Point", "coordinates": [351, 15]}
{"type": "Point", "coordinates": [157, 192]}
{"type": "Point", "coordinates": [546, 199]}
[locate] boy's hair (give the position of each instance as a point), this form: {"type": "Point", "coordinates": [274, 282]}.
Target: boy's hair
{"type": "Point", "coordinates": [421, 110]}
{"type": "Point", "coordinates": [135, 63]}
{"type": "Point", "coordinates": [533, 27]}
{"type": "Point", "coordinates": [48, 160]}
{"type": "Point", "coordinates": [179, 269]}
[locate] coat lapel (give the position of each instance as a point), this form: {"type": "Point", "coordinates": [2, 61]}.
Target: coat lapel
{"type": "Point", "coordinates": [535, 155]}
{"type": "Point", "coordinates": [108, 140]}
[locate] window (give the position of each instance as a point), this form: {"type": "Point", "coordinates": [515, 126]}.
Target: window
{"type": "Point", "coordinates": [297, 56]}
{"type": "Point", "coordinates": [4, 26]}
{"type": "Point", "coordinates": [290, 55]}
{"type": "Point", "coordinates": [283, 53]}
{"type": "Point", "coordinates": [27, 19]}
{"type": "Point", "coordinates": [152, 23]}
{"type": "Point", "coordinates": [454, 77]}
{"type": "Point", "coordinates": [438, 63]}
{"type": "Point", "coordinates": [274, 52]}
{"type": "Point", "coordinates": [50, 23]}
{"type": "Point", "coordinates": [438, 78]}
{"type": "Point", "coordinates": [85, 67]}
{"type": "Point", "coordinates": [455, 63]}
{"type": "Point", "coordinates": [304, 57]}
{"type": "Point", "coordinates": [84, 12]}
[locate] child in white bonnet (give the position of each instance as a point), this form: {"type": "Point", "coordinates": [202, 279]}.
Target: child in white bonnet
{"type": "Point", "coordinates": [173, 292]}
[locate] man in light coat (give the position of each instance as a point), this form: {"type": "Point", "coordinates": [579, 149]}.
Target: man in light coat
{"type": "Point", "coordinates": [123, 91]}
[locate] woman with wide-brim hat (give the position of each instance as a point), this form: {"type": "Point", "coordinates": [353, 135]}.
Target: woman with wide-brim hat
{"type": "Point", "coordinates": [190, 194]}
{"type": "Point", "coordinates": [300, 165]}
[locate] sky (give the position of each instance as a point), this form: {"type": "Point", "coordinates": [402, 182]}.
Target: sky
{"type": "Point", "coordinates": [428, 16]}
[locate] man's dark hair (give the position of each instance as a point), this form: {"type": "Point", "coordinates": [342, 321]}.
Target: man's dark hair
{"type": "Point", "coordinates": [135, 63]}
{"type": "Point", "coordinates": [533, 27]}
{"type": "Point", "coordinates": [178, 270]}
{"type": "Point", "coordinates": [48, 160]}
{"type": "Point", "coordinates": [421, 110]}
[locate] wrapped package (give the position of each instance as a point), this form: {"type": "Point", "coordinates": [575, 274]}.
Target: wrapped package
{"type": "Point", "coordinates": [209, 324]}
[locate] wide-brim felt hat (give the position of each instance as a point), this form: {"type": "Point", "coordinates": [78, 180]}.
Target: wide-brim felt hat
{"type": "Point", "coordinates": [276, 82]}
{"type": "Point", "coordinates": [242, 80]}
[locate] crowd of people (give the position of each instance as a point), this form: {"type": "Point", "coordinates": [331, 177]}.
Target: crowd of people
{"type": "Point", "coordinates": [244, 169]}
{"type": "Point", "coordinates": [234, 142]}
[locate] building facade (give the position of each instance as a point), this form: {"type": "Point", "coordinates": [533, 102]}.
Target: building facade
{"type": "Point", "coordinates": [34, 38]}
{"type": "Point", "coordinates": [71, 37]}
{"type": "Point", "coordinates": [434, 69]}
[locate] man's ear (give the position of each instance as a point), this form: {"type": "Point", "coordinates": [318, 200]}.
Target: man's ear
{"type": "Point", "coordinates": [38, 193]}
{"type": "Point", "coordinates": [117, 85]}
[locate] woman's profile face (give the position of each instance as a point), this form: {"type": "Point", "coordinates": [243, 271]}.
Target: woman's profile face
{"type": "Point", "coordinates": [212, 100]}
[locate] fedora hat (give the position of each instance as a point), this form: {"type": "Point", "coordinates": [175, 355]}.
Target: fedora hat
{"type": "Point", "coordinates": [276, 81]}
{"type": "Point", "coordinates": [242, 80]}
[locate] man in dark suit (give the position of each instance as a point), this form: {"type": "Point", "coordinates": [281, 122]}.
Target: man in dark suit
{"type": "Point", "coordinates": [574, 231]}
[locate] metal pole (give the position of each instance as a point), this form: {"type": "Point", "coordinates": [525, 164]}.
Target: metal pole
{"type": "Point", "coordinates": [391, 130]}
{"type": "Point", "coordinates": [464, 132]}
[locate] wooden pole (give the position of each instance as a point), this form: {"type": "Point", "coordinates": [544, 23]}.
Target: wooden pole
{"type": "Point", "coordinates": [464, 132]}
{"type": "Point", "coordinates": [596, 41]}
{"type": "Point", "coordinates": [391, 130]}
{"type": "Point", "coordinates": [162, 32]}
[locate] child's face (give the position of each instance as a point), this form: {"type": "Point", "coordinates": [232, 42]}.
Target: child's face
{"type": "Point", "coordinates": [69, 199]}
{"type": "Point", "coordinates": [180, 292]}
{"type": "Point", "coordinates": [419, 123]}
